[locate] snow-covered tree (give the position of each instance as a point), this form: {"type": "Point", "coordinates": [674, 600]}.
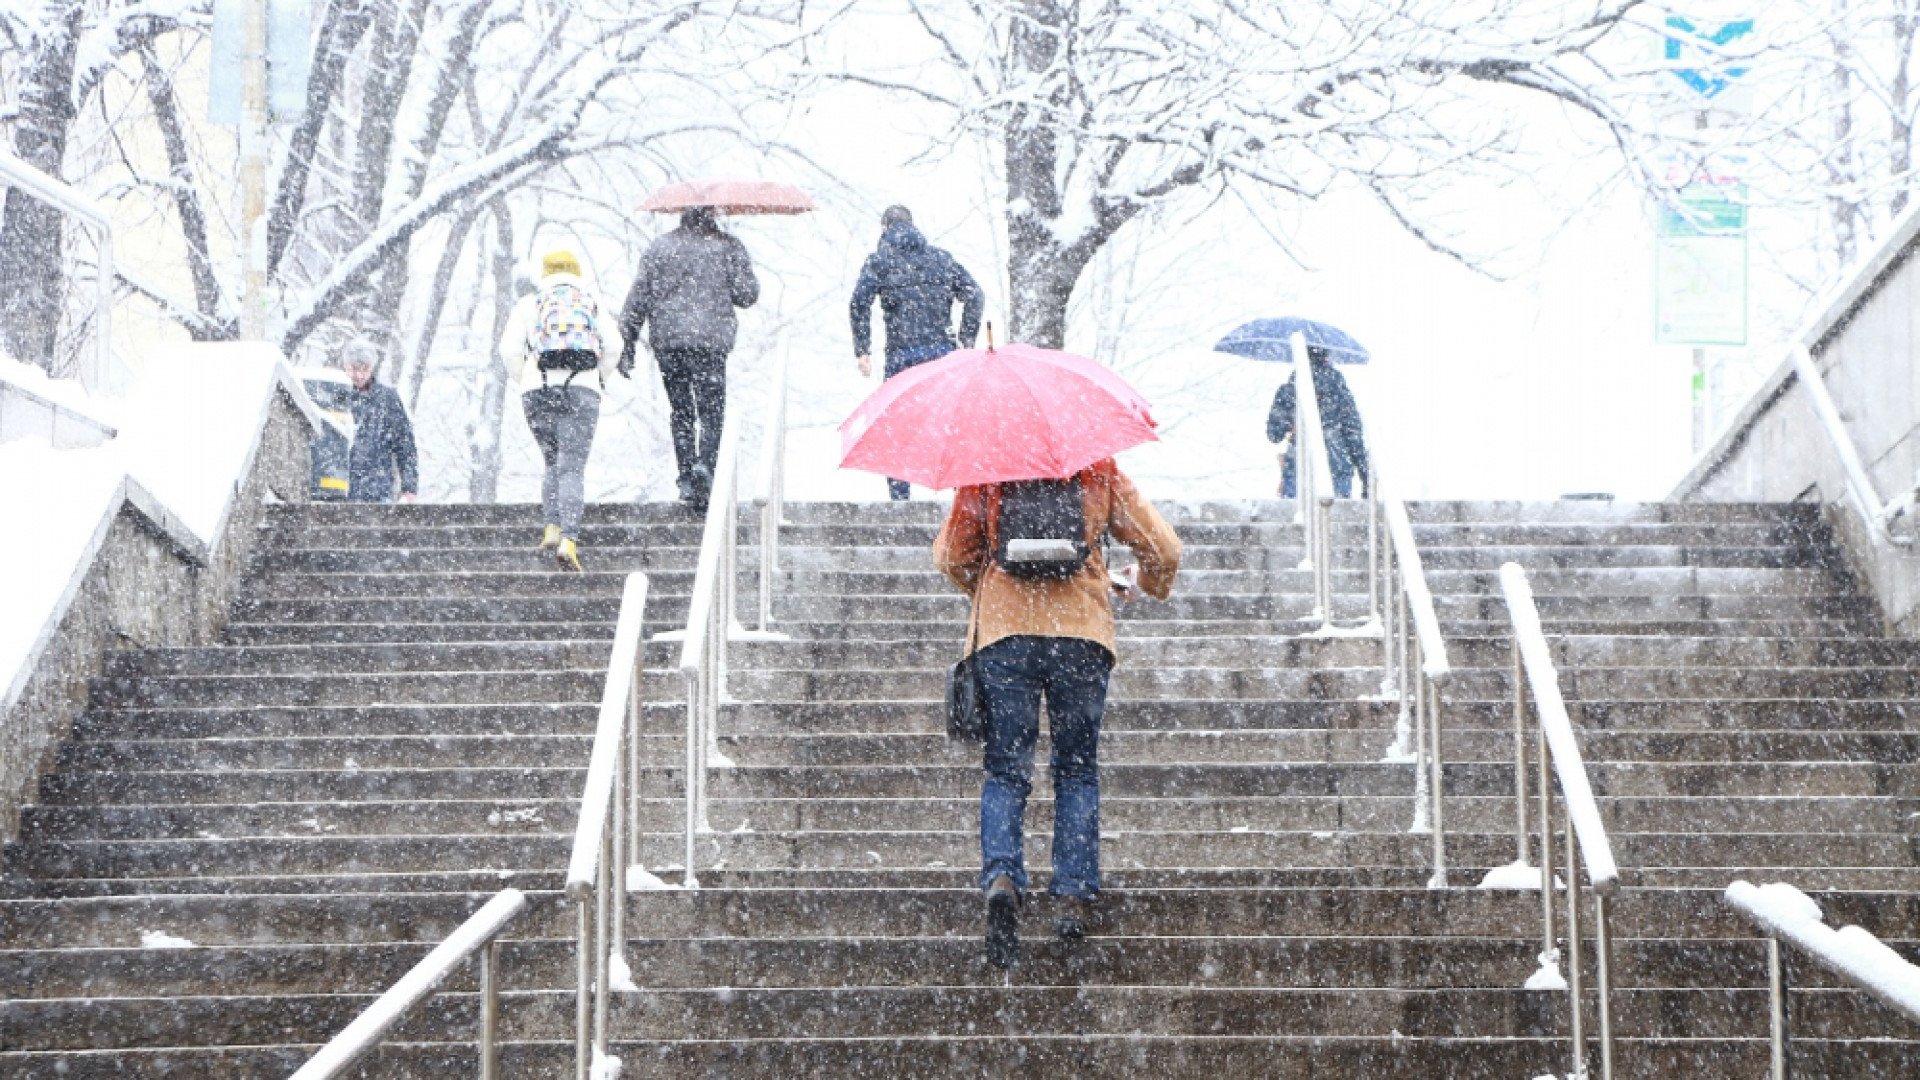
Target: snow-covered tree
{"type": "Point", "coordinates": [1100, 109]}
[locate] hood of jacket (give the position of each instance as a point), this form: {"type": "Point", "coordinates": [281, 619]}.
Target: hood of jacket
{"type": "Point", "coordinates": [902, 236]}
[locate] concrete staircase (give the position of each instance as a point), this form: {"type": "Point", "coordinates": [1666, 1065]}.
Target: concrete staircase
{"type": "Point", "coordinates": [399, 727]}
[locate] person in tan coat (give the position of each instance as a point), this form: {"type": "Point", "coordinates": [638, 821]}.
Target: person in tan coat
{"type": "Point", "coordinates": [1051, 637]}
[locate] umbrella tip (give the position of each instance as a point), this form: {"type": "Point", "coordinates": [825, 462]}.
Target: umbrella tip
{"type": "Point", "coordinates": [989, 335]}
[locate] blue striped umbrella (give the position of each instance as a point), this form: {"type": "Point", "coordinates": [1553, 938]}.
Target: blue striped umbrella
{"type": "Point", "coordinates": [1270, 339]}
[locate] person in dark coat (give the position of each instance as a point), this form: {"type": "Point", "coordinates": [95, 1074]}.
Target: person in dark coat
{"type": "Point", "coordinates": [690, 281]}
{"type": "Point", "coordinates": [382, 436]}
{"type": "Point", "coordinates": [917, 285]}
{"type": "Point", "coordinates": [1339, 420]}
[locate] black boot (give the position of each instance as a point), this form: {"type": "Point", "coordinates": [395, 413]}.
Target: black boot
{"type": "Point", "coordinates": [1070, 918]}
{"type": "Point", "coordinates": [1003, 923]}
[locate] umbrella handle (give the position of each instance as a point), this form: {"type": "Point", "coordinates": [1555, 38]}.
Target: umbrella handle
{"type": "Point", "coordinates": [989, 335]}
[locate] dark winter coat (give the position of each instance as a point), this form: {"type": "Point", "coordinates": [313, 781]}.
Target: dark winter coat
{"type": "Point", "coordinates": [1339, 418]}
{"type": "Point", "coordinates": [917, 285]}
{"type": "Point", "coordinates": [690, 281]}
{"type": "Point", "coordinates": [382, 445]}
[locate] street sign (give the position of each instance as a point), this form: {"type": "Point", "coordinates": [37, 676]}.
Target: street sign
{"type": "Point", "coordinates": [289, 59]}
{"type": "Point", "coordinates": [1700, 267]}
{"type": "Point", "coordinates": [1713, 76]}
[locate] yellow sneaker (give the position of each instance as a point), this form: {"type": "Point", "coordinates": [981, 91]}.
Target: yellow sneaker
{"type": "Point", "coordinates": [569, 556]}
{"type": "Point", "coordinates": [551, 539]}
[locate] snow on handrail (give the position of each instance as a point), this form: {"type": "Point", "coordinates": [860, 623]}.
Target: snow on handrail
{"type": "Point", "coordinates": [718, 531]}
{"type": "Point", "coordinates": [1856, 955]}
{"type": "Point", "coordinates": [615, 700]}
{"type": "Point", "coordinates": [1433, 646]}
{"type": "Point", "coordinates": [1866, 500]}
{"type": "Point", "coordinates": [376, 1020]}
{"type": "Point", "coordinates": [73, 201]}
{"type": "Point", "coordinates": [1544, 680]}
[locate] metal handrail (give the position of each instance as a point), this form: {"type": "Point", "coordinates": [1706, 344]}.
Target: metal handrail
{"type": "Point", "coordinates": [711, 622]}
{"type": "Point", "coordinates": [1557, 750]}
{"type": "Point", "coordinates": [773, 511]}
{"type": "Point", "coordinates": [608, 836]}
{"type": "Point", "coordinates": [1783, 912]}
{"type": "Point", "coordinates": [479, 935]}
{"type": "Point", "coordinates": [73, 201]}
{"type": "Point", "coordinates": [1312, 479]}
{"type": "Point", "coordinates": [1417, 662]}
{"type": "Point", "coordinates": [1874, 513]}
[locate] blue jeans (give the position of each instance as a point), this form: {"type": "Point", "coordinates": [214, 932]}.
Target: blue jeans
{"type": "Point", "coordinates": [1072, 673]}
{"type": "Point", "coordinates": [897, 362]}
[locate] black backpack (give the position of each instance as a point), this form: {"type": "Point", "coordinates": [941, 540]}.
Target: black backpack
{"type": "Point", "coordinates": [1039, 511]}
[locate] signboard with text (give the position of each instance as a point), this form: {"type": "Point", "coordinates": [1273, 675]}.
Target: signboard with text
{"type": "Point", "coordinates": [1700, 267]}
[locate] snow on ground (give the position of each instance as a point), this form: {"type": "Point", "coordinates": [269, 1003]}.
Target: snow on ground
{"type": "Point", "coordinates": [160, 939]}
{"type": "Point", "coordinates": [187, 435]}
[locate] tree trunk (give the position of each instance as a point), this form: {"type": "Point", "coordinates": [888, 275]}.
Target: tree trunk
{"type": "Point", "coordinates": [1904, 26]}
{"type": "Point", "coordinates": [483, 438]}
{"type": "Point", "coordinates": [33, 269]}
{"type": "Point", "coordinates": [436, 303]}
{"type": "Point", "coordinates": [1041, 283]}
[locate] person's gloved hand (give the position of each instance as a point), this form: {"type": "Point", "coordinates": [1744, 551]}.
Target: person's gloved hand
{"type": "Point", "coordinates": [626, 364]}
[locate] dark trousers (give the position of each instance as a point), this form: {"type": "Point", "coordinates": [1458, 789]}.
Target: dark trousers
{"type": "Point", "coordinates": [900, 490]}
{"type": "Point", "coordinates": [696, 382]}
{"type": "Point", "coordinates": [1341, 468]}
{"type": "Point", "coordinates": [1072, 673]}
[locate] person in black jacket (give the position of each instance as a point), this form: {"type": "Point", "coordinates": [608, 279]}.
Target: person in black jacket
{"type": "Point", "coordinates": [917, 285]}
{"type": "Point", "coordinates": [382, 435]}
{"type": "Point", "coordinates": [691, 280]}
{"type": "Point", "coordinates": [1339, 420]}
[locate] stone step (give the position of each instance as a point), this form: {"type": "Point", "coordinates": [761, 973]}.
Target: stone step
{"type": "Point", "coordinates": [435, 687]}
{"type": "Point", "coordinates": [1480, 814]}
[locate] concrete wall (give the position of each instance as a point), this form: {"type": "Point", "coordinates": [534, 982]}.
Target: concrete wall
{"type": "Point", "coordinates": [1864, 343]}
{"type": "Point", "coordinates": [150, 583]}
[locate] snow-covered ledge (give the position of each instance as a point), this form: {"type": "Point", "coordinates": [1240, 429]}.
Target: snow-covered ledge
{"type": "Point", "coordinates": [138, 541]}
{"type": "Point", "coordinates": [1865, 345]}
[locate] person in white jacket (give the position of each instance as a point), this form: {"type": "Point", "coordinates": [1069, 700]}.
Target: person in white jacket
{"type": "Point", "coordinates": [557, 342]}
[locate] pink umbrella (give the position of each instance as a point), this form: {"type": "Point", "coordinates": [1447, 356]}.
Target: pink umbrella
{"type": "Point", "coordinates": [729, 197]}
{"type": "Point", "coordinates": [981, 417]}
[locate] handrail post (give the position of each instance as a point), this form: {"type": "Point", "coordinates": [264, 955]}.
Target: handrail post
{"type": "Point", "coordinates": [1418, 689]}
{"type": "Point", "coordinates": [1603, 972]}
{"type": "Point", "coordinates": [1434, 786]}
{"type": "Point", "coordinates": [696, 746]}
{"type": "Point", "coordinates": [1546, 846]}
{"type": "Point", "coordinates": [583, 991]}
{"type": "Point", "coordinates": [1373, 547]}
{"type": "Point", "coordinates": [490, 1010]}
{"type": "Point", "coordinates": [603, 918]}
{"type": "Point", "coordinates": [1520, 826]}
{"type": "Point", "coordinates": [1576, 968]}
{"type": "Point", "coordinates": [636, 712]}
{"type": "Point", "coordinates": [1777, 1008]}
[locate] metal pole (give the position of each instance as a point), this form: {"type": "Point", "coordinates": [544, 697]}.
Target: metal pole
{"type": "Point", "coordinates": [583, 994]}
{"type": "Point", "coordinates": [1434, 787]}
{"type": "Point", "coordinates": [603, 912]}
{"type": "Point", "coordinates": [1373, 549]}
{"type": "Point", "coordinates": [1418, 691]}
{"type": "Point", "coordinates": [1603, 976]}
{"type": "Point", "coordinates": [1577, 1028]}
{"type": "Point", "coordinates": [635, 713]}
{"type": "Point", "coordinates": [490, 1010]}
{"type": "Point", "coordinates": [694, 746]}
{"type": "Point", "coordinates": [1777, 1008]}
{"type": "Point", "coordinates": [1324, 583]}
{"type": "Point", "coordinates": [1546, 845]}
{"type": "Point", "coordinates": [1405, 674]}
{"type": "Point", "coordinates": [1520, 828]}
{"type": "Point", "coordinates": [617, 941]}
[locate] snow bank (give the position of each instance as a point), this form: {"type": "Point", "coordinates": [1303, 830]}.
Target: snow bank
{"type": "Point", "coordinates": [66, 393]}
{"type": "Point", "coordinates": [1791, 915]}
{"type": "Point", "coordinates": [188, 434]}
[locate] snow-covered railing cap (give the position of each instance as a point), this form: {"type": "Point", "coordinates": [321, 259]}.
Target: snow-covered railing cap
{"type": "Point", "coordinates": [1856, 955]}
{"type": "Point", "coordinates": [387, 1010]}
{"type": "Point", "coordinates": [1543, 679]}
{"type": "Point", "coordinates": [1413, 575]}
{"type": "Point", "coordinates": [72, 201]}
{"type": "Point", "coordinates": [590, 836]}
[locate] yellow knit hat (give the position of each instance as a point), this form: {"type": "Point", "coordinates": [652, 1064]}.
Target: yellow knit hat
{"type": "Point", "coordinates": [559, 262]}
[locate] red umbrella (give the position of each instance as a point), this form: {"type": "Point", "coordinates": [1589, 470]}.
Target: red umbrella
{"type": "Point", "coordinates": [981, 417]}
{"type": "Point", "coordinates": [729, 197]}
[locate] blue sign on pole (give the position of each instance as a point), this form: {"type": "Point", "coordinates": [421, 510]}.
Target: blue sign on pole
{"type": "Point", "coordinates": [1711, 79]}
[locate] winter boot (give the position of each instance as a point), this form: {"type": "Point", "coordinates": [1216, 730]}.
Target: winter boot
{"type": "Point", "coordinates": [552, 538]}
{"type": "Point", "coordinates": [1003, 923]}
{"type": "Point", "coordinates": [569, 556]}
{"type": "Point", "coordinates": [1070, 917]}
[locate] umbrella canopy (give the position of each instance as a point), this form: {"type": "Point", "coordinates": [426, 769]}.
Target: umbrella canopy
{"type": "Point", "coordinates": [729, 197]}
{"type": "Point", "coordinates": [1268, 339]}
{"type": "Point", "coordinates": [986, 416]}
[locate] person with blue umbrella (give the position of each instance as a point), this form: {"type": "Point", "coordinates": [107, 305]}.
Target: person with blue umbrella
{"type": "Point", "coordinates": [1271, 340]}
